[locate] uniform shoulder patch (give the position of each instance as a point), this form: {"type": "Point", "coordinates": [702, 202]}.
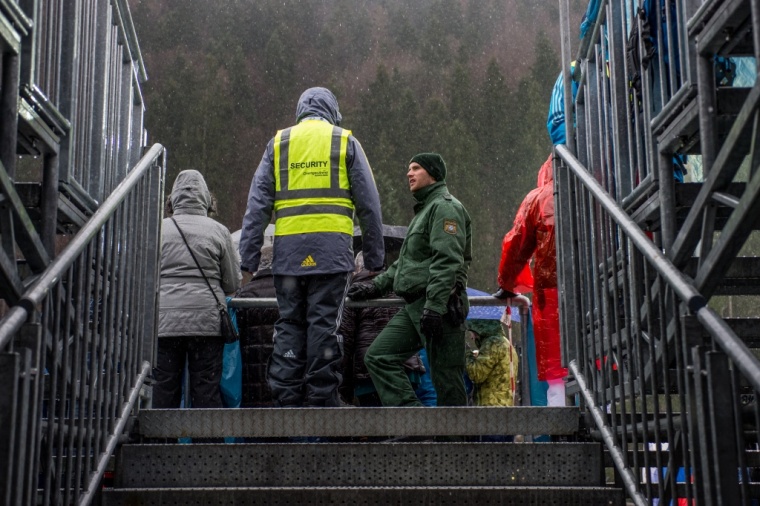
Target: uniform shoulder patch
{"type": "Point", "coordinates": [450, 227]}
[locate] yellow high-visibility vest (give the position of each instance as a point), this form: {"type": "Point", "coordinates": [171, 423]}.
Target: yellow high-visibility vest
{"type": "Point", "coordinates": [312, 191]}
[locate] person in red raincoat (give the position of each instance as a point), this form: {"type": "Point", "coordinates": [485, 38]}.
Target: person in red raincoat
{"type": "Point", "coordinates": [532, 236]}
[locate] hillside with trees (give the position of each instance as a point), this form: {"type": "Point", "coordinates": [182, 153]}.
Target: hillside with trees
{"type": "Point", "coordinates": [470, 79]}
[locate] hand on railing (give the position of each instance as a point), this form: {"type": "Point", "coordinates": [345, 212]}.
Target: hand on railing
{"type": "Point", "coordinates": [503, 294]}
{"type": "Point", "coordinates": [363, 291]}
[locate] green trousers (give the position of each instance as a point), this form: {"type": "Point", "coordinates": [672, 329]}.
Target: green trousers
{"type": "Point", "coordinates": [401, 339]}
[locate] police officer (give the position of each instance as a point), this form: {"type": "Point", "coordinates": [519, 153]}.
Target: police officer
{"type": "Point", "coordinates": [314, 176]}
{"type": "Point", "coordinates": [431, 276]}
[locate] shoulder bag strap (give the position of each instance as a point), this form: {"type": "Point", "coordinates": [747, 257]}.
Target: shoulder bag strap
{"type": "Point", "coordinates": [219, 304]}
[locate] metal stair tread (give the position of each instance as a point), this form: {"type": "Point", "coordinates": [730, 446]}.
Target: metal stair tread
{"type": "Point", "coordinates": [355, 422]}
{"type": "Point", "coordinates": [585, 496]}
{"type": "Point", "coordinates": [677, 126]}
{"type": "Point", "coordinates": [366, 464]}
{"type": "Point", "coordinates": [369, 487]}
{"type": "Point", "coordinates": [742, 277]}
{"type": "Point", "coordinates": [646, 212]}
{"type": "Point", "coordinates": [713, 23]}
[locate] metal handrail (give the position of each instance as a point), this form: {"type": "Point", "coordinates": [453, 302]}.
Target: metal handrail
{"type": "Point", "coordinates": [79, 346]}
{"type": "Point", "coordinates": [19, 314]}
{"type": "Point", "coordinates": [734, 347]}
{"type": "Point", "coordinates": [617, 455]}
{"type": "Point", "coordinates": [477, 300]}
{"type": "Point", "coordinates": [92, 489]}
{"type": "Point", "coordinates": [522, 302]}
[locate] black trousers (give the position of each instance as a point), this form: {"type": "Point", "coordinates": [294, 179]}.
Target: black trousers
{"type": "Point", "coordinates": [204, 363]}
{"type": "Point", "coordinates": [305, 366]}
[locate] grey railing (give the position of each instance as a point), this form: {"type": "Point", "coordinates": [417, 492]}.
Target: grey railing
{"type": "Point", "coordinates": [670, 386]}
{"type": "Point", "coordinates": [81, 72]}
{"type": "Point", "coordinates": [71, 117]}
{"type": "Point", "coordinates": [521, 302]}
{"type": "Point", "coordinates": [76, 349]}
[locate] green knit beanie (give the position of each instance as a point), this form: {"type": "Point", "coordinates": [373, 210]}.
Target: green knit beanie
{"type": "Point", "coordinates": [433, 163]}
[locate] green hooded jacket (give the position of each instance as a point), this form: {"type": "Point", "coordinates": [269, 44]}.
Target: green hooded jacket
{"type": "Point", "coordinates": [436, 253]}
{"type": "Point", "coordinates": [491, 370]}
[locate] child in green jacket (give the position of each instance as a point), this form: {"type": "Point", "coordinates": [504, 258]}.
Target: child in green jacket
{"type": "Point", "coordinates": [489, 365]}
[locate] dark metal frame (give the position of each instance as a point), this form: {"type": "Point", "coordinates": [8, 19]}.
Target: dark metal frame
{"type": "Point", "coordinates": [78, 328]}
{"type": "Point", "coordinates": [70, 94]}
{"type": "Point", "coordinates": [520, 301]}
{"type": "Point", "coordinates": [78, 346]}
{"type": "Point", "coordinates": [670, 386]}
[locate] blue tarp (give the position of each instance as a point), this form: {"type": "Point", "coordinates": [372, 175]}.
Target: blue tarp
{"type": "Point", "coordinates": [488, 312]}
{"type": "Point", "coordinates": [537, 388]}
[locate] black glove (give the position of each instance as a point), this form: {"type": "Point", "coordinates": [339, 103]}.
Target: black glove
{"type": "Point", "coordinates": [363, 291]}
{"type": "Point", "coordinates": [455, 312]}
{"type": "Point", "coordinates": [431, 325]}
{"type": "Point", "coordinates": [504, 294]}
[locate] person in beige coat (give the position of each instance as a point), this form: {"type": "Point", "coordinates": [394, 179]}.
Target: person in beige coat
{"type": "Point", "coordinates": [189, 328]}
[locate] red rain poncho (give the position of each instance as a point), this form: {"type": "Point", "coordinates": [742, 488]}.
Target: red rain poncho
{"type": "Point", "coordinates": [532, 235]}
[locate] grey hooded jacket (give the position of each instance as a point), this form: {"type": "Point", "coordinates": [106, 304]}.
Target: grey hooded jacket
{"type": "Point", "coordinates": [187, 307]}
{"type": "Point", "coordinates": [333, 252]}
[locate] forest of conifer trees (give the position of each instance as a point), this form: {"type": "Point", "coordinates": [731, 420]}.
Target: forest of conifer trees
{"type": "Point", "coordinates": [470, 79]}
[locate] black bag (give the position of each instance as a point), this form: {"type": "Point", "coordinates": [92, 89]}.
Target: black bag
{"type": "Point", "coordinates": [228, 331]}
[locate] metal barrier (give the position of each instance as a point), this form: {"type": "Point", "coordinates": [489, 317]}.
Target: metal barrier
{"type": "Point", "coordinates": [76, 349]}
{"type": "Point", "coordinates": [671, 387]}
{"type": "Point", "coordinates": [666, 380]}
{"type": "Point", "coordinates": [82, 77]}
{"type": "Point", "coordinates": [520, 301]}
{"type": "Point", "coordinates": [622, 101]}
{"type": "Point", "coordinates": [71, 121]}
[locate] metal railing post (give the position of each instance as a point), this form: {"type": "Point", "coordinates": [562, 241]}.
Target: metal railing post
{"type": "Point", "coordinates": [152, 243]}
{"type": "Point", "coordinates": [10, 372]}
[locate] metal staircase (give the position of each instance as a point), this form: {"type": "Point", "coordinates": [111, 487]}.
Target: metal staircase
{"type": "Point", "coordinates": [667, 390]}
{"type": "Point", "coordinates": [366, 456]}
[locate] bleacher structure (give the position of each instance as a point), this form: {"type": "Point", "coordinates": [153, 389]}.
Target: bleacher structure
{"type": "Point", "coordinates": [80, 210]}
{"type": "Point", "coordinates": [671, 386]}
{"type": "Point", "coordinates": [662, 405]}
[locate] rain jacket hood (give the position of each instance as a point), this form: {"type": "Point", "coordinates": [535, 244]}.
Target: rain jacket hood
{"type": "Point", "coordinates": [187, 307]}
{"type": "Point", "coordinates": [325, 252]}
{"type": "Point", "coordinates": [484, 328]}
{"type": "Point", "coordinates": [318, 102]}
{"type": "Point", "coordinates": [546, 173]}
{"type": "Point", "coordinates": [533, 236]}
{"type": "Point", "coordinates": [190, 194]}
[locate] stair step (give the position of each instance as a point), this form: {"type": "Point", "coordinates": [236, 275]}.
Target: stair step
{"type": "Point", "coordinates": [566, 496]}
{"type": "Point", "coordinates": [357, 422]}
{"type": "Point", "coordinates": [677, 126]}
{"type": "Point", "coordinates": [717, 22]}
{"type": "Point", "coordinates": [360, 464]}
{"type": "Point", "coordinates": [646, 212]}
{"type": "Point", "coordinates": [742, 277]}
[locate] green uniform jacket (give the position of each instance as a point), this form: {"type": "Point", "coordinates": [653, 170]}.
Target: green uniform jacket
{"type": "Point", "coordinates": [436, 253]}
{"type": "Point", "coordinates": [489, 372]}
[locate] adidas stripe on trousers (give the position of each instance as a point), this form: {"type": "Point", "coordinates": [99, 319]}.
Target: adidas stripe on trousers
{"type": "Point", "coordinates": [304, 369]}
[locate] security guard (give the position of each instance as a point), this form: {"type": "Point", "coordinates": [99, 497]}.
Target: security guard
{"type": "Point", "coordinates": [431, 276]}
{"type": "Point", "coordinates": [315, 177]}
